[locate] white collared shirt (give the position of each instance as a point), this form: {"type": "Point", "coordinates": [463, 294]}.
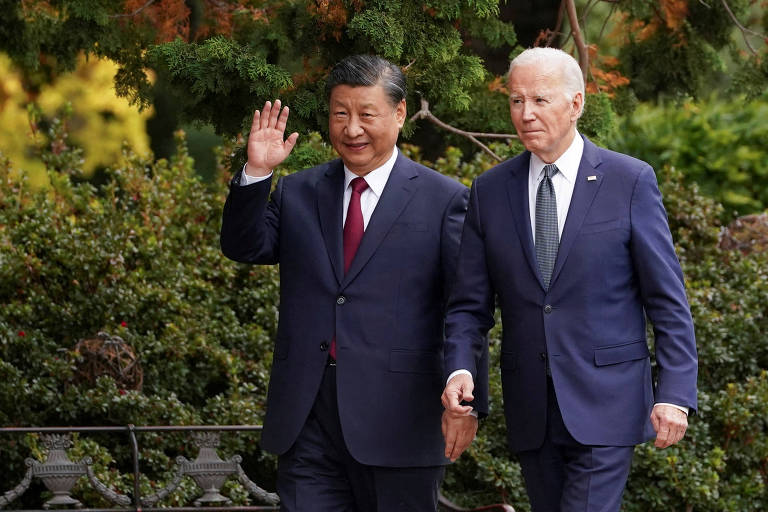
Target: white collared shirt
{"type": "Point", "coordinates": [376, 180]}
{"type": "Point", "coordinates": [369, 198]}
{"type": "Point", "coordinates": [563, 181]}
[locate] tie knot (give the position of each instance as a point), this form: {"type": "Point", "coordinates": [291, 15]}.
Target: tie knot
{"type": "Point", "coordinates": [550, 170]}
{"type": "Point", "coordinates": [359, 184]}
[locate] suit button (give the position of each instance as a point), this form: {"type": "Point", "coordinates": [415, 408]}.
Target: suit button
{"type": "Point", "coordinates": [547, 309]}
{"type": "Point", "coordinates": [543, 356]}
{"type": "Point", "coordinates": [341, 300]}
{"type": "Point", "coordinates": [324, 346]}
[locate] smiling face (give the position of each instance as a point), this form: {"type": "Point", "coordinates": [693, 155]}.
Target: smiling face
{"type": "Point", "coordinates": [363, 126]}
{"type": "Point", "coordinates": [544, 117]}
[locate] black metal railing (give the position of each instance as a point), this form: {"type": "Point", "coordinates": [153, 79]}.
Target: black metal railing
{"type": "Point", "coordinates": [59, 474]}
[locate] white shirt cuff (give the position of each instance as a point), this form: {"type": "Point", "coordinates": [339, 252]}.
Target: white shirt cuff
{"type": "Point", "coordinates": [245, 179]}
{"type": "Point", "coordinates": [457, 372]}
{"type": "Point", "coordinates": [682, 408]}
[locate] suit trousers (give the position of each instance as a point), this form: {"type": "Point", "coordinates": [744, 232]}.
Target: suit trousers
{"type": "Point", "coordinates": [567, 476]}
{"type": "Point", "coordinates": [319, 474]}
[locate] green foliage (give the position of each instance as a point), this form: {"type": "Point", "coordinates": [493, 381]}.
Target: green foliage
{"type": "Point", "coordinates": [137, 257]}
{"type": "Point", "coordinates": [719, 144]}
{"type": "Point", "coordinates": [598, 120]}
{"type": "Point", "coordinates": [425, 39]}
{"type": "Point", "coordinates": [673, 49]}
{"type": "Point", "coordinates": [217, 78]}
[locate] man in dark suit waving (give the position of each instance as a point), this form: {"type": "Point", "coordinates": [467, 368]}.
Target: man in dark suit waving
{"type": "Point", "coordinates": [572, 241]}
{"type": "Point", "coordinates": [367, 247]}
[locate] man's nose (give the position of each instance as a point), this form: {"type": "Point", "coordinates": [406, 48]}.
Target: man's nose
{"type": "Point", "coordinates": [528, 112]}
{"type": "Point", "coordinates": [353, 127]}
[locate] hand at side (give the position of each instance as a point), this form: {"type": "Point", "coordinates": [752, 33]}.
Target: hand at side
{"type": "Point", "coordinates": [459, 431]}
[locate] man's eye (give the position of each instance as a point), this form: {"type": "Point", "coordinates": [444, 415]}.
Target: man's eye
{"type": "Point", "coordinates": [516, 100]}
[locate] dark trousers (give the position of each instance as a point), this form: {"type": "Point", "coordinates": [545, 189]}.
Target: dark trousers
{"type": "Point", "coordinates": [566, 476]}
{"type": "Point", "coordinates": [318, 473]}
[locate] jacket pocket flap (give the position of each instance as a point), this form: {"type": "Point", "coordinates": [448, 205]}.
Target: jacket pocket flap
{"type": "Point", "coordinates": [415, 361]}
{"type": "Point", "coordinates": [621, 353]}
{"type": "Point", "coordinates": [597, 227]}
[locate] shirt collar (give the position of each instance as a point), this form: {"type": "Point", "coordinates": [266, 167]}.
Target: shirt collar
{"type": "Point", "coordinates": [377, 178]}
{"type": "Point", "coordinates": [567, 164]}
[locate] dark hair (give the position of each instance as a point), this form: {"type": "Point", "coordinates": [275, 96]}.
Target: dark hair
{"type": "Point", "coordinates": [368, 70]}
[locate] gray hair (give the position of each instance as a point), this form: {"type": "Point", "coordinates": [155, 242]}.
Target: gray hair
{"type": "Point", "coordinates": [367, 71]}
{"type": "Point", "coordinates": [571, 76]}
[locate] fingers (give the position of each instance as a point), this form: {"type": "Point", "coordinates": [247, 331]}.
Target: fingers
{"type": "Point", "coordinates": [291, 141]}
{"type": "Point", "coordinates": [670, 424]}
{"type": "Point", "coordinates": [274, 114]}
{"type": "Point", "coordinates": [458, 389]}
{"type": "Point", "coordinates": [458, 431]}
{"type": "Point", "coordinates": [256, 124]}
{"type": "Point", "coordinates": [281, 120]}
{"type": "Point", "coordinates": [271, 116]}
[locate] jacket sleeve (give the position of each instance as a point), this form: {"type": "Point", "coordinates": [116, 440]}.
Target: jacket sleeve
{"type": "Point", "coordinates": [250, 230]}
{"type": "Point", "coordinates": [470, 308]}
{"type": "Point", "coordinates": [662, 288]}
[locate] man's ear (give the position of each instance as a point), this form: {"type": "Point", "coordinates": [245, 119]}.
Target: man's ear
{"type": "Point", "coordinates": [400, 112]}
{"type": "Point", "coordinates": [577, 106]}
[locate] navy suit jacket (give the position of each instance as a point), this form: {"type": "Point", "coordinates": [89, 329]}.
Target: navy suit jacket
{"type": "Point", "coordinates": [616, 264]}
{"type": "Point", "coordinates": [387, 312]}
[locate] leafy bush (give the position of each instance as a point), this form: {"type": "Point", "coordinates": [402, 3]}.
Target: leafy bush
{"type": "Point", "coordinates": [138, 257]}
{"type": "Point", "coordinates": [718, 144]}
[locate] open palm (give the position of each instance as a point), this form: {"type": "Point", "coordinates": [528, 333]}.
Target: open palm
{"type": "Point", "coordinates": [266, 147]}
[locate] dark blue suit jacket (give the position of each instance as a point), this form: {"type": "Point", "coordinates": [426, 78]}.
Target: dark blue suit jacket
{"type": "Point", "coordinates": [615, 265]}
{"type": "Point", "coordinates": [387, 312]}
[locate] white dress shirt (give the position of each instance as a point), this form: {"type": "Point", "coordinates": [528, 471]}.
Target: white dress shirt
{"type": "Point", "coordinates": [369, 198]}
{"type": "Point", "coordinates": [563, 181]}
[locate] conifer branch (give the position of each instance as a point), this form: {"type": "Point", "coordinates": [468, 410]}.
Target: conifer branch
{"type": "Point", "coordinates": [578, 38]}
{"type": "Point", "coordinates": [744, 30]}
{"type": "Point", "coordinates": [134, 13]}
{"type": "Point", "coordinates": [427, 114]}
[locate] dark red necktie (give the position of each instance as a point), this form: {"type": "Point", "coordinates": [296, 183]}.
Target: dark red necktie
{"type": "Point", "coordinates": [353, 227]}
{"type": "Point", "coordinates": [353, 232]}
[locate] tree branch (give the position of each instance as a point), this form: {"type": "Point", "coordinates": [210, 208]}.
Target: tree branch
{"type": "Point", "coordinates": [134, 13]}
{"type": "Point", "coordinates": [427, 114]}
{"type": "Point", "coordinates": [558, 24]}
{"type": "Point", "coordinates": [578, 37]}
{"type": "Point", "coordinates": [744, 30]}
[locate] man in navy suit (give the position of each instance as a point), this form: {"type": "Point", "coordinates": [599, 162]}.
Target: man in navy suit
{"type": "Point", "coordinates": [572, 242]}
{"type": "Point", "coordinates": [367, 247]}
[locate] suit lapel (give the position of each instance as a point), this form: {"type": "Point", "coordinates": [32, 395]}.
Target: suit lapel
{"type": "Point", "coordinates": [517, 190]}
{"type": "Point", "coordinates": [330, 203]}
{"type": "Point", "coordinates": [398, 191]}
{"type": "Point", "coordinates": [584, 192]}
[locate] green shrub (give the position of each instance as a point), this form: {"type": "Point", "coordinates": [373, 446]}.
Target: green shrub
{"type": "Point", "coordinates": [718, 144]}
{"type": "Point", "coordinates": [137, 257]}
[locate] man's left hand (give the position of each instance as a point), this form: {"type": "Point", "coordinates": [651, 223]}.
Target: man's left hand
{"type": "Point", "coordinates": [458, 431]}
{"type": "Point", "coordinates": [670, 424]}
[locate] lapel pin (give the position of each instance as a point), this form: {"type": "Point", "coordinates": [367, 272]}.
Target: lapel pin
{"type": "Point", "coordinates": [591, 178]}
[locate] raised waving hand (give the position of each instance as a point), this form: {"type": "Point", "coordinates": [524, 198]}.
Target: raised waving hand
{"type": "Point", "coordinates": [266, 147]}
